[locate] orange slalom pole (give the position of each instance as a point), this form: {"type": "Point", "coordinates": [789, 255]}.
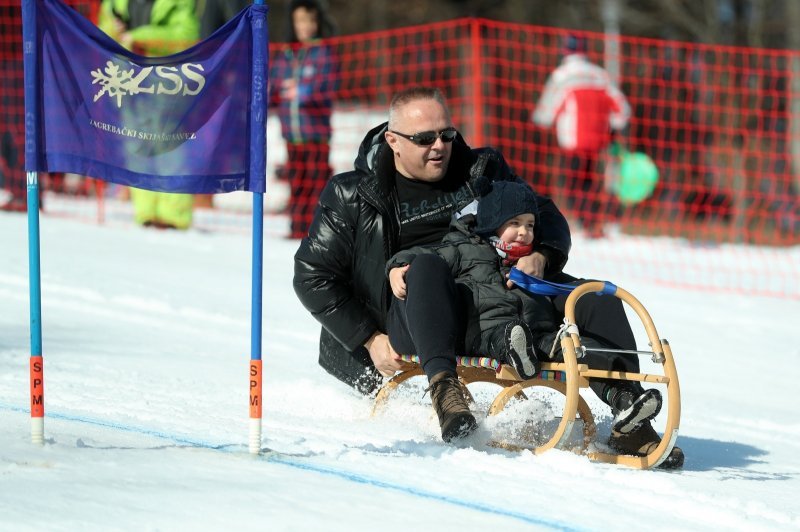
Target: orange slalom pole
{"type": "Point", "coordinates": [255, 406]}
{"type": "Point", "coordinates": [37, 399]}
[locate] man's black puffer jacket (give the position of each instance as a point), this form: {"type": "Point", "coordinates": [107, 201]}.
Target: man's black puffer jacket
{"type": "Point", "coordinates": [339, 267]}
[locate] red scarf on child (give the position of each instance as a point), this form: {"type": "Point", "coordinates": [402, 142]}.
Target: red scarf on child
{"type": "Point", "coordinates": [512, 252]}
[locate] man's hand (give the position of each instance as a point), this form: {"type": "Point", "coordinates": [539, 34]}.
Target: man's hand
{"type": "Point", "coordinates": [533, 264]}
{"type": "Point", "coordinates": [386, 360]}
{"type": "Point", "coordinates": [397, 280]}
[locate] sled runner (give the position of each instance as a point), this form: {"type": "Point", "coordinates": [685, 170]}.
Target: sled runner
{"type": "Point", "coordinates": [568, 378]}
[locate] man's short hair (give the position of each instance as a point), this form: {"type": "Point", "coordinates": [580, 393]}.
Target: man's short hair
{"type": "Point", "coordinates": [412, 94]}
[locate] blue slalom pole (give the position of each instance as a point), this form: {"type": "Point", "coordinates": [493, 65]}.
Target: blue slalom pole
{"type": "Point", "coordinates": [258, 144]}
{"type": "Point", "coordinates": [258, 131]}
{"type": "Point", "coordinates": [32, 136]}
{"type": "Point", "coordinates": [258, 266]}
{"type": "Point", "coordinates": [256, 397]}
{"type": "Point", "coordinates": [35, 297]}
{"type": "Point", "coordinates": [34, 264]}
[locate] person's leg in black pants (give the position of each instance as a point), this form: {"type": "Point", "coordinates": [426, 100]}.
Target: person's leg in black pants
{"type": "Point", "coordinates": [427, 322]}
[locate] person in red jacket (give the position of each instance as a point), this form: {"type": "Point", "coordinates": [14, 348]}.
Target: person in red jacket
{"type": "Point", "coordinates": [585, 105]}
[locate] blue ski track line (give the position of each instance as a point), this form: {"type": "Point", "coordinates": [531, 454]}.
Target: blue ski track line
{"type": "Point", "coordinates": [279, 458]}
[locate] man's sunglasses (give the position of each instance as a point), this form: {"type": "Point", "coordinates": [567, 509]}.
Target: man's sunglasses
{"type": "Point", "coordinates": [426, 138]}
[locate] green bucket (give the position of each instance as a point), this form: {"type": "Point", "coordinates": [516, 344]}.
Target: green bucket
{"type": "Point", "coordinates": [638, 176]}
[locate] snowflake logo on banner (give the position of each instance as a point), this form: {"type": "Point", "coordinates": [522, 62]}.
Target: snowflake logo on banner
{"type": "Point", "coordinates": [118, 83]}
{"type": "Point", "coordinates": [114, 81]}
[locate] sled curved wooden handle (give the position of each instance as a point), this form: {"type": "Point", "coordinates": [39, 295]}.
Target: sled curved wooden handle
{"type": "Point", "coordinates": [662, 354]}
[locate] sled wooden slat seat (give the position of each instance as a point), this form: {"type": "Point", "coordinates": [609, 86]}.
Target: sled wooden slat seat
{"type": "Point", "coordinates": [568, 378]}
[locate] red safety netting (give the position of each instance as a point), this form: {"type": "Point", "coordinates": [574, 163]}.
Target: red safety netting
{"type": "Point", "coordinates": [717, 122]}
{"type": "Point", "coordinates": [12, 110]}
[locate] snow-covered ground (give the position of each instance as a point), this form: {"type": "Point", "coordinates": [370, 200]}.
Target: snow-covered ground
{"type": "Point", "coordinates": [146, 348]}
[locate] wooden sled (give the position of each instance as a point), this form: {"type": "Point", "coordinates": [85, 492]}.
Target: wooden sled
{"type": "Point", "coordinates": [569, 377]}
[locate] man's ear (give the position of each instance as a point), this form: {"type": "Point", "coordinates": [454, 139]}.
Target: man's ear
{"type": "Point", "coordinates": [391, 140]}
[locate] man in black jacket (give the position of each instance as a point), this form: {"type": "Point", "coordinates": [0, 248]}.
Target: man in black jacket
{"type": "Point", "coordinates": [363, 219]}
{"type": "Point", "coordinates": [410, 176]}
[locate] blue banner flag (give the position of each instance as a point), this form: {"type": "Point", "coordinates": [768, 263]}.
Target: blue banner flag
{"type": "Point", "coordinates": [192, 122]}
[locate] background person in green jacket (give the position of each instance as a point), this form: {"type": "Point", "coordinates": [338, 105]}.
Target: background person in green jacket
{"type": "Point", "coordinates": [154, 28]}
